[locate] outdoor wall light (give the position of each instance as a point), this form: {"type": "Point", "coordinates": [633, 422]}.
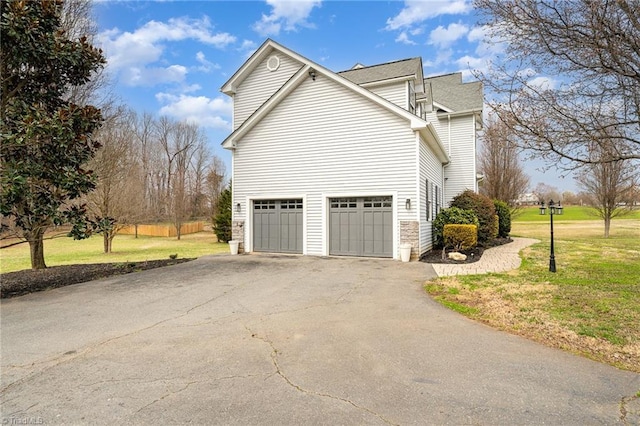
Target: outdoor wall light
{"type": "Point", "coordinates": [238, 208]}
{"type": "Point", "coordinates": [312, 74]}
{"type": "Point", "coordinates": [407, 204]}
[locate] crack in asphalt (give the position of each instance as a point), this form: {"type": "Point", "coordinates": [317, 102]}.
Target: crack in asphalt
{"type": "Point", "coordinates": [186, 386]}
{"type": "Point", "coordinates": [72, 355]}
{"type": "Point", "coordinates": [279, 372]}
{"type": "Point", "coordinates": [624, 402]}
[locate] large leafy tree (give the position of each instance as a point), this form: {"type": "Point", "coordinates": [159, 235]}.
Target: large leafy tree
{"type": "Point", "coordinates": [46, 139]}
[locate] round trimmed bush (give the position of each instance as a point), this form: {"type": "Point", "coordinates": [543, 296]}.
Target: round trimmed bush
{"type": "Point", "coordinates": [504, 218]}
{"type": "Point", "coordinates": [452, 215]}
{"type": "Point", "coordinates": [484, 209]}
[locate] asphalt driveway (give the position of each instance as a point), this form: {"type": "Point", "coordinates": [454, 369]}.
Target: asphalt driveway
{"type": "Point", "coordinates": [285, 340]}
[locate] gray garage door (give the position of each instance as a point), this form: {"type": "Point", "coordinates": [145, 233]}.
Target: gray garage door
{"type": "Point", "coordinates": [361, 226]}
{"type": "Point", "coordinates": [277, 226]}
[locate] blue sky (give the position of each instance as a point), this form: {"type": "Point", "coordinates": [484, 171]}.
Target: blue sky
{"type": "Point", "coordinates": [172, 57]}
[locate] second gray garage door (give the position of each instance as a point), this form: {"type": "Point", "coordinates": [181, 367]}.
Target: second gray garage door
{"type": "Point", "coordinates": [361, 226]}
{"type": "Point", "coordinates": [277, 226]}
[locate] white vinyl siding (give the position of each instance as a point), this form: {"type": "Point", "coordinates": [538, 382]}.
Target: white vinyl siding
{"type": "Point", "coordinates": [260, 85]}
{"type": "Point", "coordinates": [458, 136]}
{"type": "Point", "coordinates": [430, 173]}
{"type": "Point", "coordinates": [324, 140]}
{"type": "Point", "coordinates": [396, 93]}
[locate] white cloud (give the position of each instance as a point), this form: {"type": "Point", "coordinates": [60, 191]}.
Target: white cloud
{"type": "Point", "coordinates": [444, 37]}
{"type": "Point", "coordinates": [205, 65]}
{"type": "Point", "coordinates": [477, 34]}
{"type": "Point", "coordinates": [248, 45]}
{"type": "Point", "coordinates": [150, 76]}
{"type": "Point", "coordinates": [404, 38]}
{"type": "Point", "coordinates": [543, 83]}
{"type": "Point", "coordinates": [417, 11]}
{"type": "Point", "coordinates": [213, 113]}
{"type": "Point", "coordinates": [472, 62]}
{"type": "Point", "coordinates": [287, 14]}
{"type": "Point", "coordinates": [131, 52]}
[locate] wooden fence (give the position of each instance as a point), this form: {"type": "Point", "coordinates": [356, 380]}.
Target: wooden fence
{"type": "Point", "coordinates": [163, 229]}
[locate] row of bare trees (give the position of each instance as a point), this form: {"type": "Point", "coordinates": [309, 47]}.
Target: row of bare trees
{"type": "Point", "coordinates": [152, 169]}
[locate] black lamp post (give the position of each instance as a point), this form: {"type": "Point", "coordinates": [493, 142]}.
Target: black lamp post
{"type": "Point", "coordinates": [553, 209]}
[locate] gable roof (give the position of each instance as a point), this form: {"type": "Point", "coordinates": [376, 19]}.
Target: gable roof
{"type": "Point", "coordinates": [451, 93]}
{"type": "Point", "coordinates": [388, 71]}
{"type": "Point", "coordinates": [425, 128]}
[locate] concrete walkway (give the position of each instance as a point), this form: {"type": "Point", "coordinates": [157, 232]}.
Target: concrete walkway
{"type": "Point", "coordinates": [497, 259]}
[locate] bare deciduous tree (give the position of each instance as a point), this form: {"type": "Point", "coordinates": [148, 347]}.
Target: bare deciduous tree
{"type": "Point", "coordinates": [546, 193]}
{"type": "Point", "coordinates": [609, 186]}
{"type": "Point", "coordinates": [116, 201]}
{"type": "Point", "coordinates": [215, 184]}
{"type": "Point", "coordinates": [504, 176]}
{"type": "Point", "coordinates": [591, 52]}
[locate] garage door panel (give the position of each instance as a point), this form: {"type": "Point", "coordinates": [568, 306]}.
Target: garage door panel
{"type": "Point", "coordinates": [344, 232]}
{"type": "Point", "coordinates": [277, 226]}
{"type": "Point", "coordinates": [361, 226]}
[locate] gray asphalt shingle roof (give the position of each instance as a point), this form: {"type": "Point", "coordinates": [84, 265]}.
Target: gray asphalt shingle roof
{"type": "Point", "coordinates": [449, 90]}
{"type": "Point", "coordinates": [403, 68]}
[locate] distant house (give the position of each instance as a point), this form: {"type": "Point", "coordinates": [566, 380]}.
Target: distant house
{"type": "Point", "coordinates": [352, 163]}
{"type": "Point", "coordinates": [529, 199]}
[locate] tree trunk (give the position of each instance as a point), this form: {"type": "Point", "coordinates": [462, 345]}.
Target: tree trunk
{"type": "Point", "coordinates": [106, 242]}
{"type": "Point", "coordinates": [607, 226]}
{"type": "Point", "coordinates": [36, 248]}
{"type": "Point", "coordinates": [111, 237]}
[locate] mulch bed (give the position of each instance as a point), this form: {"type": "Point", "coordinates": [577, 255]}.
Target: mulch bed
{"type": "Point", "coordinates": [28, 281]}
{"type": "Point", "coordinates": [473, 255]}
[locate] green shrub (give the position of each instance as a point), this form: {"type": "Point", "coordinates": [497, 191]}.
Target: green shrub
{"type": "Point", "coordinates": [483, 207]}
{"type": "Point", "coordinates": [460, 237]}
{"type": "Point", "coordinates": [452, 215]}
{"type": "Point", "coordinates": [504, 218]}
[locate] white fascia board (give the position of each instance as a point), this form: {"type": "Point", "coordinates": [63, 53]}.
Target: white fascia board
{"type": "Point", "coordinates": [266, 107]}
{"type": "Point", "coordinates": [387, 81]}
{"type": "Point", "coordinates": [230, 87]}
{"type": "Point", "coordinates": [432, 139]}
{"type": "Point", "coordinates": [460, 113]}
{"type": "Point", "coordinates": [442, 107]}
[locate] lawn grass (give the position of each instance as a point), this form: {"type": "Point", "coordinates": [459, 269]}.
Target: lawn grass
{"type": "Point", "coordinates": [590, 306]}
{"type": "Point", "coordinates": [569, 213]}
{"type": "Point", "coordinates": [126, 248]}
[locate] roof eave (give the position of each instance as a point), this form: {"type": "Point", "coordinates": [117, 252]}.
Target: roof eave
{"type": "Point", "coordinates": [428, 133]}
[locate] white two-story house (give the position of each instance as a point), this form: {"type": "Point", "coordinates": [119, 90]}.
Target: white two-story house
{"type": "Point", "coordinates": [350, 163]}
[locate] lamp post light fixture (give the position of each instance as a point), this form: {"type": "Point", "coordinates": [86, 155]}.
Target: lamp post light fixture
{"type": "Point", "coordinates": [553, 209]}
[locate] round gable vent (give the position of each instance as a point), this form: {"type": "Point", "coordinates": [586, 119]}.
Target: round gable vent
{"type": "Point", "coordinates": [273, 63]}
